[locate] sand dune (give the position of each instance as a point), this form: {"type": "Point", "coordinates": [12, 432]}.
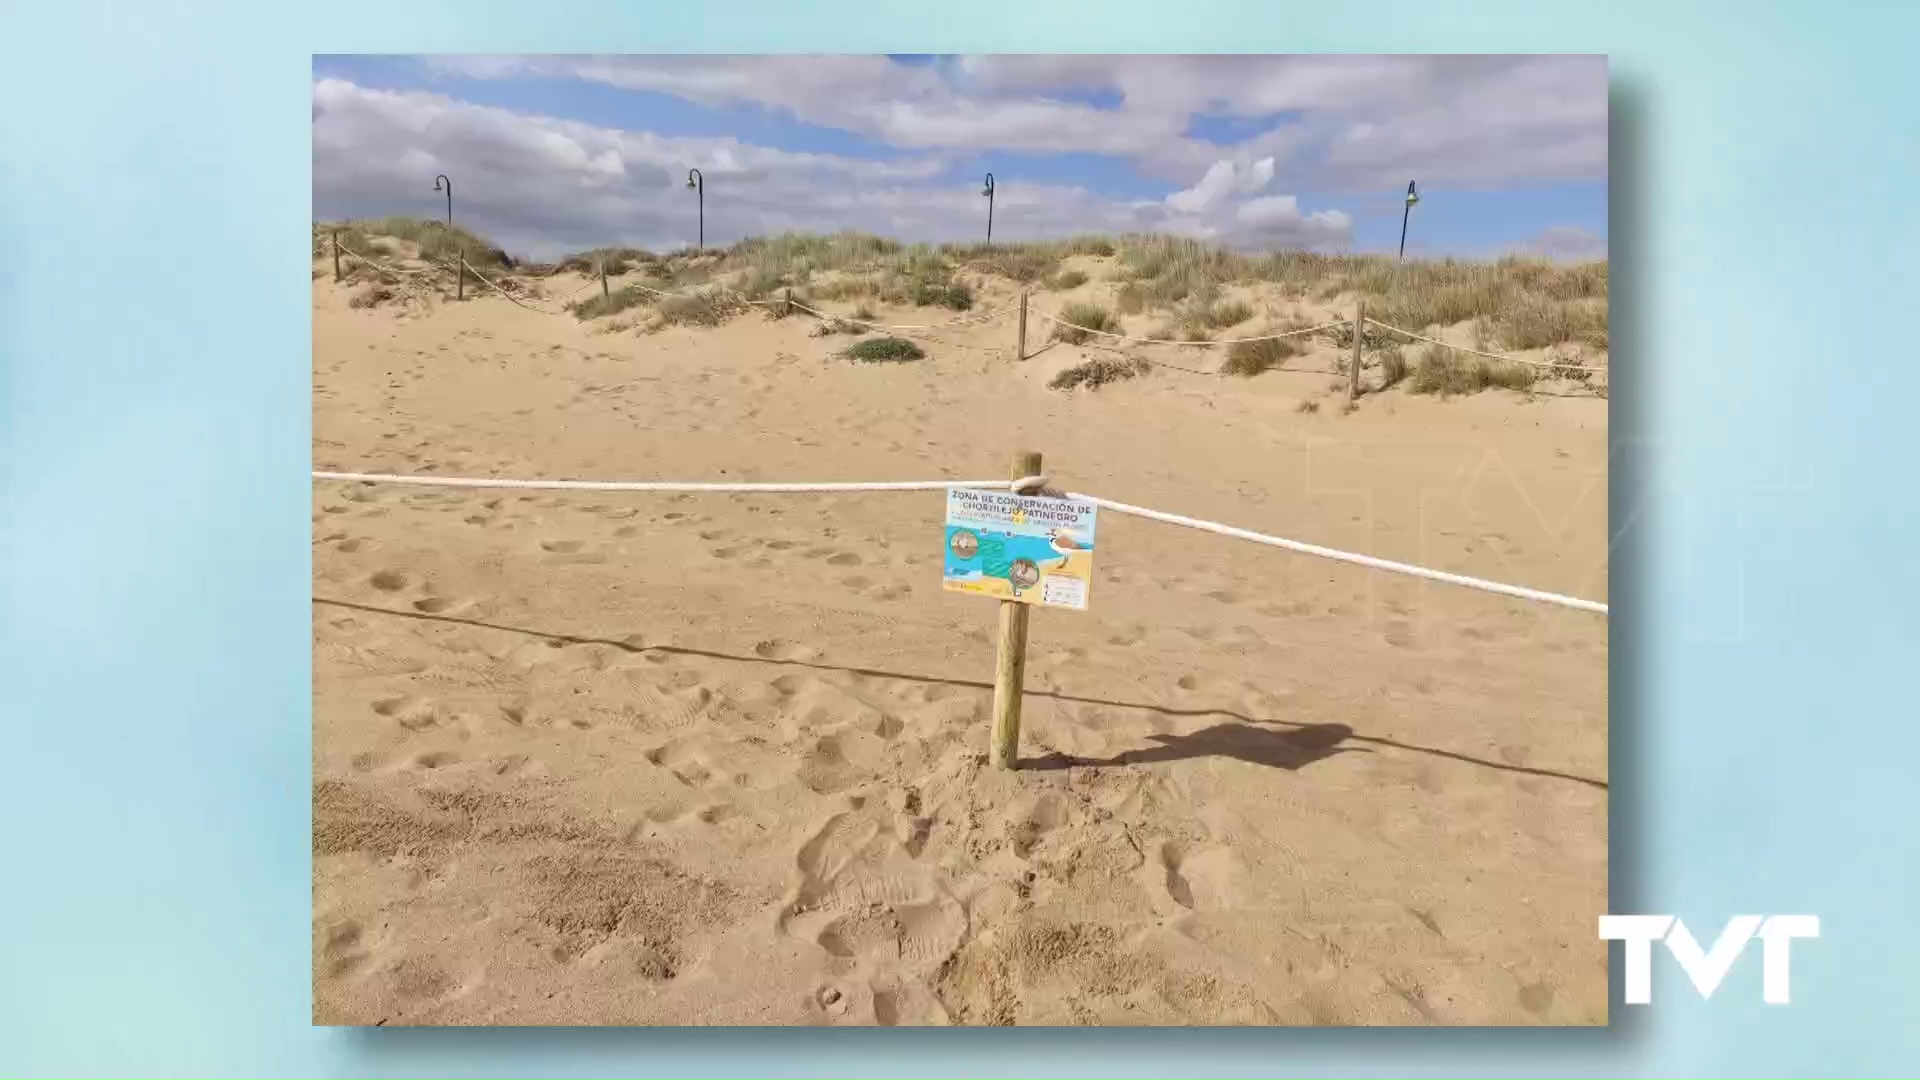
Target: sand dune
{"type": "Point", "coordinates": [587, 758]}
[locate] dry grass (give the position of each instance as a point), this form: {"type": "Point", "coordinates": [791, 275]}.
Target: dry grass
{"type": "Point", "coordinates": [1393, 367]}
{"type": "Point", "coordinates": [597, 306]}
{"type": "Point", "coordinates": [1229, 313]}
{"type": "Point", "coordinates": [1098, 372]}
{"type": "Point", "coordinates": [1065, 280]}
{"type": "Point", "coordinates": [1515, 303]}
{"type": "Point", "coordinates": [1446, 372]}
{"type": "Point", "coordinates": [438, 242]}
{"type": "Point", "coordinates": [702, 307]}
{"type": "Point", "coordinates": [1085, 317]}
{"type": "Point", "coordinates": [1249, 358]}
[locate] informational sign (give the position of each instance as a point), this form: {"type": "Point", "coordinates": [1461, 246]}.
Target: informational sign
{"type": "Point", "coordinates": [1019, 547]}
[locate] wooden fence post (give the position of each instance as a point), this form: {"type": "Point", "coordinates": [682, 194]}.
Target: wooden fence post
{"type": "Point", "coordinates": [336, 256]}
{"type": "Point", "coordinates": [788, 310]}
{"type": "Point", "coordinates": [605, 295]}
{"type": "Point", "coordinates": [1359, 333]}
{"type": "Point", "coordinates": [1010, 661]}
{"type": "Point", "coordinates": [1020, 347]}
{"type": "Point", "coordinates": [460, 276]}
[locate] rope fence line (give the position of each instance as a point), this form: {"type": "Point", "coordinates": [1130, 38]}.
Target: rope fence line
{"type": "Point", "coordinates": [468, 267]}
{"type": "Point", "coordinates": [1479, 352]}
{"type": "Point", "coordinates": [673, 486]}
{"type": "Point", "coordinates": [1023, 485]}
{"type": "Point", "coordinates": [1058, 321]}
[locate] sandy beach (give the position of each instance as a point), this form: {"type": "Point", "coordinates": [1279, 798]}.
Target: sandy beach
{"type": "Point", "coordinates": [606, 758]}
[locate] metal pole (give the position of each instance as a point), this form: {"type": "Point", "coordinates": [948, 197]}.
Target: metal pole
{"type": "Point", "coordinates": [989, 194]}
{"type": "Point", "coordinates": [438, 183]}
{"type": "Point", "coordinates": [699, 184]}
{"type": "Point", "coordinates": [1412, 197]}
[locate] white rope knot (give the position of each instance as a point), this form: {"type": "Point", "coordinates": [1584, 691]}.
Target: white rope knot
{"type": "Point", "coordinates": [1031, 485]}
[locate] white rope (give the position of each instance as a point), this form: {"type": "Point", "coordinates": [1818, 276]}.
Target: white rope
{"type": "Point", "coordinates": [1023, 485]}
{"type": "Point", "coordinates": [469, 268]}
{"type": "Point", "coordinates": [649, 485]}
{"type": "Point", "coordinates": [1349, 557]}
{"type": "Point", "coordinates": [378, 265]}
{"type": "Point", "coordinates": [1168, 341]}
{"type": "Point", "coordinates": [1478, 352]}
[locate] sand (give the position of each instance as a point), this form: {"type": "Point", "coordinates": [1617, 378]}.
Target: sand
{"type": "Point", "coordinates": [675, 759]}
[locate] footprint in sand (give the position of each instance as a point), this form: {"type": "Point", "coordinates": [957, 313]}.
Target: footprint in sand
{"type": "Point", "coordinates": [389, 580]}
{"type": "Point", "coordinates": [561, 547]}
{"type": "Point", "coordinates": [1197, 879]}
{"type": "Point", "coordinates": [414, 714]}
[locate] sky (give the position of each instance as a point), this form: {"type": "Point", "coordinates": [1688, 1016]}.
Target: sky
{"type": "Point", "coordinates": [555, 154]}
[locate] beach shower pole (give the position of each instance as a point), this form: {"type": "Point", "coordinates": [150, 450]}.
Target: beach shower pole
{"type": "Point", "coordinates": [443, 183]}
{"type": "Point", "coordinates": [1010, 661]}
{"type": "Point", "coordinates": [1412, 197]}
{"type": "Point", "coordinates": [698, 184]}
{"type": "Point", "coordinates": [988, 192]}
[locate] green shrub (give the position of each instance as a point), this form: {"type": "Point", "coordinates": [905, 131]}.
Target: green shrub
{"type": "Point", "coordinates": [886, 350]}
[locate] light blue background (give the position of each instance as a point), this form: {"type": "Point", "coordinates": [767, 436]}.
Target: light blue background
{"type": "Point", "coordinates": [154, 438]}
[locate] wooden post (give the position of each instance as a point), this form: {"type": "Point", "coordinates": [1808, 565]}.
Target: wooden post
{"type": "Point", "coordinates": [1020, 348]}
{"type": "Point", "coordinates": [788, 310]}
{"type": "Point", "coordinates": [336, 256]}
{"type": "Point", "coordinates": [1359, 332]}
{"type": "Point", "coordinates": [605, 295]}
{"type": "Point", "coordinates": [1010, 662]}
{"type": "Point", "coordinates": [460, 276]}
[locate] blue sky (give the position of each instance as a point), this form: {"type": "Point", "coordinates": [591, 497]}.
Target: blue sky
{"type": "Point", "coordinates": [556, 153]}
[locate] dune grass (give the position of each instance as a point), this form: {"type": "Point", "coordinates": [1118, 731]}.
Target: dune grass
{"type": "Point", "coordinates": [1098, 372]}
{"type": "Point", "coordinates": [1249, 358]}
{"type": "Point", "coordinates": [1447, 372]}
{"type": "Point", "coordinates": [1085, 317]}
{"type": "Point", "coordinates": [597, 306]}
{"type": "Point", "coordinates": [1393, 367]}
{"type": "Point", "coordinates": [1514, 302]}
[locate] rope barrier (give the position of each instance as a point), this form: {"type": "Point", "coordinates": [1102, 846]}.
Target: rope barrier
{"type": "Point", "coordinates": [1478, 352]}
{"type": "Point", "coordinates": [1024, 484]}
{"type": "Point", "coordinates": [1055, 319]}
{"type": "Point", "coordinates": [1349, 557]}
{"type": "Point", "coordinates": [648, 485]}
{"type": "Point", "coordinates": [385, 267]}
{"type": "Point", "coordinates": [468, 267]}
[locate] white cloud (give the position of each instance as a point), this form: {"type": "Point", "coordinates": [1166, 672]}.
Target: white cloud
{"type": "Point", "coordinates": [542, 186]}
{"type": "Point", "coordinates": [1355, 122]}
{"type": "Point", "coordinates": [1222, 180]}
{"type": "Point", "coordinates": [1567, 243]}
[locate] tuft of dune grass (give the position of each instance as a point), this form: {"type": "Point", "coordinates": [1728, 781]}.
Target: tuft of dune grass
{"type": "Point", "coordinates": [1085, 317]}
{"type": "Point", "coordinates": [1249, 358]}
{"type": "Point", "coordinates": [1446, 372]}
{"type": "Point", "coordinates": [1098, 372]}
